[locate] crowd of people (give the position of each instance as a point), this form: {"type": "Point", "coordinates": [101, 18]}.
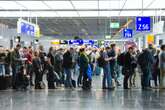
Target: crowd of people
{"type": "Point", "coordinates": [28, 66]}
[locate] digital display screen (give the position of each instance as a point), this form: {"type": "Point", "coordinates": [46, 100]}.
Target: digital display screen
{"type": "Point", "coordinates": [27, 29]}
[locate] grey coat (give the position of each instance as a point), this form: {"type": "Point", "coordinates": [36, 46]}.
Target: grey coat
{"type": "Point", "coordinates": [162, 60]}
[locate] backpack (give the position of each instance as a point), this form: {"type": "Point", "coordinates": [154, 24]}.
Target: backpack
{"type": "Point", "coordinates": [57, 59]}
{"type": "Point", "coordinates": [101, 61]}
{"type": "Point", "coordinates": [120, 59]}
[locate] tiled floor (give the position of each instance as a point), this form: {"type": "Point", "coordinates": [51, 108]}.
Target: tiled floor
{"type": "Point", "coordinates": [96, 99]}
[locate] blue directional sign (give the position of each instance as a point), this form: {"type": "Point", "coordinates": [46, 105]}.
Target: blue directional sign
{"type": "Point", "coordinates": [27, 29]}
{"type": "Point", "coordinates": [89, 42]}
{"type": "Point", "coordinates": [76, 42]}
{"type": "Point", "coordinates": [143, 23]}
{"type": "Point", "coordinates": [127, 33]}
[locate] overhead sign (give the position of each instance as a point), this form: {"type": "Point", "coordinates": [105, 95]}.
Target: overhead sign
{"type": "Point", "coordinates": [158, 28]}
{"type": "Point", "coordinates": [89, 42]}
{"type": "Point", "coordinates": [37, 31]}
{"type": "Point", "coordinates": [55, 42]}
{"type": "Point", "coordinates": [114, 25]}
{"type": "Point", "coordinates": [127, 33]}
{"type": "Point", "coordinates": [143, 23]}
{"type": "Point", "coordinates": [108, 36]}
{"type": "Point", "coordinates": [25, 27]}
{"type": "Point", "coordinates": [63, 42]}
{"type": "Point", "coordinates": [150, 39]}
{"type": "Point", "coordinates": [76, 42]}
{"type": "Point", "coordinates": [81, 42]}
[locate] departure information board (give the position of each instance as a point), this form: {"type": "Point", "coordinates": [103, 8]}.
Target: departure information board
{"type": "Point", "coordinates": [28, 28]}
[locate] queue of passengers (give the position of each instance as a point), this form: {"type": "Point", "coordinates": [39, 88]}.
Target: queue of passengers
{"type": "Point", "coordinates": [59, 65]}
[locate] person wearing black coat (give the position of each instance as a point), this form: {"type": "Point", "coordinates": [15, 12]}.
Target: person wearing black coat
{"type": "Point", "coordinates": [146, 60]}
{"type": "Point", "coordinates": [51, 56]}
{"type": "Point", "coordinates": [52, 76]}
{"type": "Point", "coordinates": [67, 65]}
{"type": "Point", "coordinates": [128, 69]}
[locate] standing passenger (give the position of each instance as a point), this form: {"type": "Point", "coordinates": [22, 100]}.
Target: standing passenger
{"type": "Point", "coordinates": [104, 62]}
{"type": "Point", "coordinates": [67, 65]}
{"type": "Point", "coordinates": [162, 67]}
{"type": "Point", "coordinates": [84, 61]}
{"type": "Point", "coordinates": [145, 61]}
{"type": "Point", "coordinates": [37, 68]}
{"type": "Point", "coordinates": [128, 69]}
{"type": "Point", "coordinates": [15, 63]}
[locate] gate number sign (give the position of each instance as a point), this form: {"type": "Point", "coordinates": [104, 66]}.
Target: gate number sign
{"type": "Point", "coordinates": [127, 33]}
{"type": "Point", "coordinates": [143, 23]}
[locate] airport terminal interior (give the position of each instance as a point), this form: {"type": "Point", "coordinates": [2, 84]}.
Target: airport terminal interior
{"type": "Point", "coordinates": [82, 55]}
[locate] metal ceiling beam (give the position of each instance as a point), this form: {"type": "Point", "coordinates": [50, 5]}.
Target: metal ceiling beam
{"type": "Point", "coordinates": [139, 9]}
{"type": "Point", "coordinates": [147, 6]}
{"type": "Point", "coordinates": [59, 0]}
{"type": "Point", "coordinates": [123, 6]}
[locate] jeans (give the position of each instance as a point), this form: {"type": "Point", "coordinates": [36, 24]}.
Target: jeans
{"type": "Point", "coordinates": [2, 72]}
{"type": "Point", "coordinates": [68, 81]}
{"type": "Point", "coordinates": [112, 70]}
{"type": "Point", "coordinates": [7, 69]}
{"type": "Point", "coordinates": [118, 71]}
{"type": "Point", "coordinates": [80, 76]}
{"type": "Point", "coordinates": [76, 69]}
{"type": "Point", "coordinates": [107, 78]}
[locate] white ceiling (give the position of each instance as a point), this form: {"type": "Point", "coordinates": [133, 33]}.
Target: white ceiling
{"type": "Point", "coordinates": [80, 8]}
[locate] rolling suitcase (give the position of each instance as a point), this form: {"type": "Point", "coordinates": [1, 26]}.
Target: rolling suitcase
{"type": "Point", "coordinates": [5, 82]}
